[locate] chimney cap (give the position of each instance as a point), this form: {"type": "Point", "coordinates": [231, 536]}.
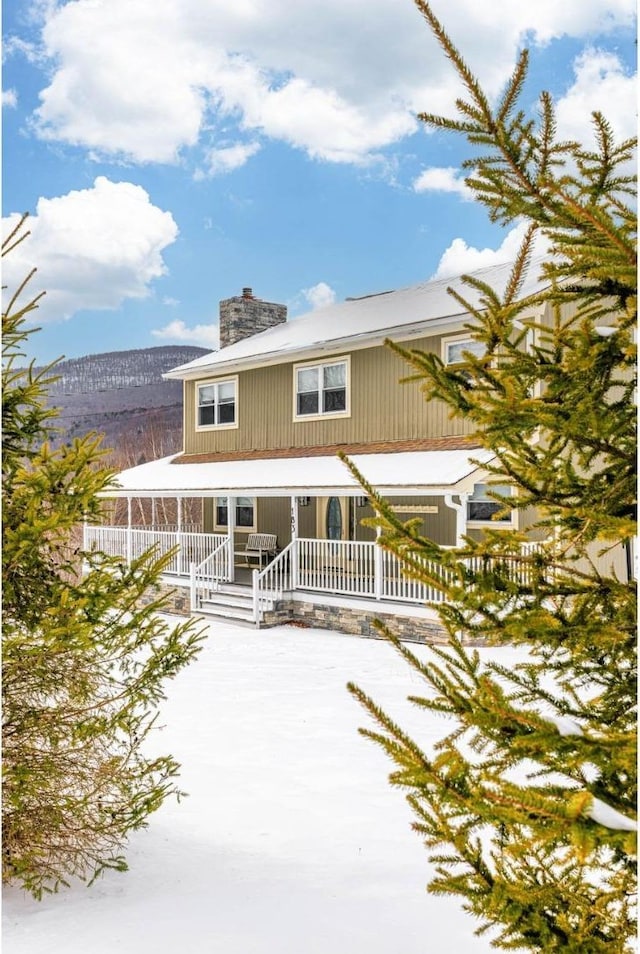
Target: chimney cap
{"type": "Point", "coordinates": [247, 293]}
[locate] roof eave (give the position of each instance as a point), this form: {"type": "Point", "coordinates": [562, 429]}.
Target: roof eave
{"type": "Point", "coordinates": [348, 342]}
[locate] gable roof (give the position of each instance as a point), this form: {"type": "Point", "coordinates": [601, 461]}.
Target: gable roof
{"type": "Point", "coordinates": [359, 321]}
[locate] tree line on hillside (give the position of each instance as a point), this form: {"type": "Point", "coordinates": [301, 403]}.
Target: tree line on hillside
{"type": "Point", "coordinates": [119, 369]}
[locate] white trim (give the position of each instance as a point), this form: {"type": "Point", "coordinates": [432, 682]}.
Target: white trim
{"type": "Point", "coordinates": [321, 416]}
{"type": "Point", "coordinates": [207, 382]}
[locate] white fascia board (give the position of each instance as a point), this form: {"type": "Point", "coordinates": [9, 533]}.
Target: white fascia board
{"type": "Point", "coordinates": [408, 490]}
{"type": "Point", "coordinates": [349, 343]}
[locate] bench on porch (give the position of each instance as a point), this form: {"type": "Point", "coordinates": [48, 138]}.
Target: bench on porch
{"type": "Point", "coordinates": [259, 545]}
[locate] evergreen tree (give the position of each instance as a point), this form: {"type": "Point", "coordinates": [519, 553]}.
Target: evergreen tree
{"type": "Point", "coordinates": [83, 662]}
{"type": "Point", "coordinates": [527, 804]}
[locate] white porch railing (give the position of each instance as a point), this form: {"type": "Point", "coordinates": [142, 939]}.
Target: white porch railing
{"type": "Point", "coordinates": [404, 589]}
{"type": "Point", "coordinates": [131, 543]}
{"type": "Point", "coordinates": [358, 569]}
{"type": "Point", "coordinates": [215, 569]}
{"type": "Point", "coordinates": [337, 566]}
{"type": "Point", "coordinates": [270, 584]}
{"type": "Point", "coordinates": [340, 567]}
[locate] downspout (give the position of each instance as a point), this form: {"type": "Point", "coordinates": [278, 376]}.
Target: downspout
{"type": "Point", "coordinates": [461, 515]}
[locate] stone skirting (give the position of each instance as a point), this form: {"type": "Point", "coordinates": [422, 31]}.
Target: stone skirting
{"type": "Point", "coordinates": [340, 619]}
{"type": "Point", "coordinates": [178, 598]}
{"type": "Point", "coordinates": [356, 622]}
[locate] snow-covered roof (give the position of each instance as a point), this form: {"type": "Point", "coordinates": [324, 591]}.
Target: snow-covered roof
{"type": "Point", "coordinates": [359, 321]}
{"type": "Point", "coordinates": [421, 472]}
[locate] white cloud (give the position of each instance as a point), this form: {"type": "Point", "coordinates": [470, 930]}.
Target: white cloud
{"type": "Point", "coordinates": [442, 179]}
{"type": "Point", "coordinates": [169, 301]}
{"type": "Point", "coordinates": [228, 158]}
{"type": "Point", "coordinates": [601, 84]}
{"type": "Point", "coordinates": [320, 295]}
{"type": "Point", "coordinates": [9, 98]}
{"type": "Point", "coordinates": [338, 80]}
{"type": "Point", "coordinates": [460, 258]}
{"type": "Point", "coordinates": [93, 248]}
{"type": "Point", "coordinates": [205, 335]}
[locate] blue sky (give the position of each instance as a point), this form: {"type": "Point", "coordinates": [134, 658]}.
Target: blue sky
{"type": "Point", "coordinates": [171, 152]}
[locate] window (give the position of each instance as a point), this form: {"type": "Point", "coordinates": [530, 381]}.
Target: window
{"type": "Point", "coordinates": [216, 404]}
{"type": "Point", "coordinates": [245, 512]}
{"type": "Point", "coordinates": [454, 348]}
{"type": "Point", "coordinates": [322, 389]}
{"type": "Point", "coordinates": [481, 507]}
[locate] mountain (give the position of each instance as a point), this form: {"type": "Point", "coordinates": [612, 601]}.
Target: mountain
{"type": "Point", "coordinates": [121, 394]}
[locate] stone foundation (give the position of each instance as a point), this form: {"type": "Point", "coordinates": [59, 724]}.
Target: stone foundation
{"type": "Point", "coordinates": [178, 598]}
{"type": "Point", "coordinates": [339, 619]}
{"type": "Point", "coordinates": [356, 622]}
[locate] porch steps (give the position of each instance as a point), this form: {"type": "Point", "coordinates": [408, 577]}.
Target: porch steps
{"type": "Point", "coordinates": [230, 603]}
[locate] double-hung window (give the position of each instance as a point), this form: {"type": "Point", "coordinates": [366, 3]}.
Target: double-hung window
{"type": "Point", "coordinates": [245, 512]}
{"type": "Point", "coordinates": [217, 404]}
{"type": "Point", "coordinates": [322, 389]}
{"type": "Point", "coordinates": [481, 507]}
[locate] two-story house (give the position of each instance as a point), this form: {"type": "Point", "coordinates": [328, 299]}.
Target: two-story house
{"type": "Point", "coordinates": [280, 532]}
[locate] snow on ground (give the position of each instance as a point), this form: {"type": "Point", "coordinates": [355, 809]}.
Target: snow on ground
{"type": "Point", "coordinates": [291, 842]}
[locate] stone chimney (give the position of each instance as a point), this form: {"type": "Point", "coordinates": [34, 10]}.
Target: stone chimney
{"type": "Point", "coordinates": [244, 315]}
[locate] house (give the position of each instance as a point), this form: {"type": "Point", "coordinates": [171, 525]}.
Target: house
{"type": "Point", "coordinates": [274, 529]}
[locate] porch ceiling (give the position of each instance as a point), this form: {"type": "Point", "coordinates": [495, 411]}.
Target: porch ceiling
{"type": "Point", "coordinates": [421, 473]}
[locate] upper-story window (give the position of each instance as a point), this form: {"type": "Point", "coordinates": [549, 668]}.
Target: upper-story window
{"type": "Point", "coordinates": [217, 404]}
{"type": "Point", "coordinates": [454, 349]}
{"type": "Point", "coordinates": [482, 506]}
{"type": "Point", "coordinates": [322, 389]}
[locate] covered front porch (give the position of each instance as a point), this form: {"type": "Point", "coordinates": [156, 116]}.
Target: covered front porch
{"type": "Point", "coordinates": [311, 508]}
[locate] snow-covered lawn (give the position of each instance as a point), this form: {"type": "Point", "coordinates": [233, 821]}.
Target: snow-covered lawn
{"type": "Point", "coordinates": [291, 842]}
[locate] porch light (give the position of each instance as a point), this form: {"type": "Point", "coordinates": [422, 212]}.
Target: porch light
{"type": "Point", "coordinates": [362, 501]}
{"type": "Point", "coordinates": [304, 501]}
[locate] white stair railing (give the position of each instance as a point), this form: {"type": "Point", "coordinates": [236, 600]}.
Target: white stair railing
{"type": "Point", "coordinates": [215, 569]}
{"type": "Point", "coordinates": [270, 584]}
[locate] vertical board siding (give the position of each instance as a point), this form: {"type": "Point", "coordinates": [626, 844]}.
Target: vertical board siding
{"type": "Point", "coordinates": [381, 408]}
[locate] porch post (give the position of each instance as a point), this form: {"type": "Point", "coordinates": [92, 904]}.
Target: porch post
{"type": "Point", "coordinates": [153, 513]}
{"type": "Point", "coordinates": [378, 570]}
{"type": "Point", "coordinates": [231, 526]}
{"type": "Point", "coordinates": [128, 543]}
{"type": "Point", "coordinates": [179, 535]}
{"type": "Point", "coordinates": [294, 541]}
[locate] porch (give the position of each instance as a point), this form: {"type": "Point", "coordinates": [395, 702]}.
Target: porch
{"type": "Point", "coordinates": [209, 560]}
{"type": "Point", "coordinates": [326, 552]}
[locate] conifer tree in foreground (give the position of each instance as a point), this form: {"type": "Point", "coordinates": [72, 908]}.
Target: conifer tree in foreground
{"type": "Point", "coordinates": [83, 663]}
{"type": "Point", "coordinates": [527, 803]}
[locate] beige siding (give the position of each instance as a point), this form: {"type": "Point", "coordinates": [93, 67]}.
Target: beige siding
{"type": "Point", "coordinates": [381, 408]}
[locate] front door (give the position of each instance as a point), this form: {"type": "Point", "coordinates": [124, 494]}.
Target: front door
{"type": "Point", "coordinates": [335, 518]}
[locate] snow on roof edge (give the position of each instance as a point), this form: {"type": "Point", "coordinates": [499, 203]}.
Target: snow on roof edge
{"type": "Point", "coordinates": [360, 317]}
